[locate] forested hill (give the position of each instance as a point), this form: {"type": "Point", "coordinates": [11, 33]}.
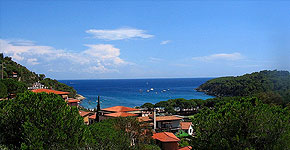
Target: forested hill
{"type": "Point", "coordinates": [23, 74]}
{"type": "Point", "coordinates": [268, 85]}
{"type": "Point", "coordinates": [25, 78]}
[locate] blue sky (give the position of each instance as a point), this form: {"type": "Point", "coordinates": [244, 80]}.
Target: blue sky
{"type": "Point", "coordinates": [146, 39]}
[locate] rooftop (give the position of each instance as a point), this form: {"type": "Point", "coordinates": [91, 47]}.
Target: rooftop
{"type": "Point", "coordinates": [50, 91]}
{"type": "Point", "coordinates": [185, 125]}
{"type": "Point", "coordinates": [84, 113]}
{"type": "Point", "coordinates": [119, 109]}
{"type": "Point", "coordinates": [73, 100]}
{"type": "Point", "coordinates": [159, 118]}
{"type": "Point", "coordinates": [167, 118]}
{"type": "Point", "coordinates": [120, 114]}
{"type": "Point", "coordinates": [93, 116]}
{"type": "Point", "coordinates": [165, 137]}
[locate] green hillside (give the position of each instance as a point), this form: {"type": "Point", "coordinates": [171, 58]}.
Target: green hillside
{"type": "Point", "coordinates": [24, 78]}
{"type": "Point", "coordinates": [23, 74]}
{"type": "Point", "coordinates": [271, 86]}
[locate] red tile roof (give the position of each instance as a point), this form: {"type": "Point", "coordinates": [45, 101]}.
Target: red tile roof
{"type": "Point", "coordinates": [185, 125]}
{"type": "Point", "coordinates": [167, 118]}
{"type": "Point", "coordinates": [93, 116]}
{"type": "Point", "coordinates": [119, 109]}
{"type": "Point", "coordinates": [144, 119]}
{"type": "Point", "coordinates": [159, 118]}
{"type": "Point", "coordinates": [50, 91]}
{"type": "Point", "coordinates": [185, 148]}
{"type": "Point", "coordinates": [165, 137]}
{"type": "Point", "coordinates": [120, 114]}
{"type": "Point", "coordinates": [85, 113]}
{"type": "Point", "coordinates": [73, 100]}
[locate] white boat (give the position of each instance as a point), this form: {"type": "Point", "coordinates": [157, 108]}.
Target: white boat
{"type": "Point", "coordinates": [151, 89]}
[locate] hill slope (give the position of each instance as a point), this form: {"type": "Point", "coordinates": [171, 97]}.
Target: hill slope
{"type": "Point", "coordinates": [27, 77]}
{"type": "Point", "coordinates": [274, 84]}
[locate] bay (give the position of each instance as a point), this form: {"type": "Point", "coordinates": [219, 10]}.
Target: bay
{"type": "Point", "coordinates": [135, 92]}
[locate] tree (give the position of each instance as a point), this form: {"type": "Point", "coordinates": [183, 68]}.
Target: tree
{"type": "Point", "coordinates": [104, 135]}
{"type": "Point", "coordinates": [252, 84]}
{"type": "Point", "coordinates": [3, 90]}
{"type": "Point", "coordinates": [41, 77]}
{"type": "Point", "coordinates": [40, 121]}
{"type": "Point", "coordinates": [148, 106]}
{"type": "Point", "coordinates": [14, 86]}
{"type": "Point", "coordinates": [135, 130]}
{"type": "Point", "coordinates": [242, 124]}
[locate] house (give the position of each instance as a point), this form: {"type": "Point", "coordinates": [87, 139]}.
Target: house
{"type": "Point", "coordinates": [119, 109]}
{"type": "Point", "coordinates": [73, 102]}
{"type": "Point", "coordinates": [187, 127]}
{"type": "Point", "coordinates": [166, 140]}
{"type": "Point", "coordinates": [120, 114]}
{"type": "Point", "coordinates": [169, 123]}
{"type": "Point", "coordinates": [14, 75]}
{"type": "Point", "coordinates": [85, 115]}
{"type": "Point", "coordinates": [64, 95]}
{"type": "Point", "coordinates": [93, 118]}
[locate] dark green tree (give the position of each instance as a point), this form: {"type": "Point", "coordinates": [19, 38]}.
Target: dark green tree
{"type": "Point", "coordinates": [104, 135]}
{"type": "Point", "coordinates": [40, 121]}
{"type": "Point", "coordinates": [41, 77]}
{"type": "Point", "coordinates": [13, 86]}
{"type": "Point", "coordinates": [242, 124]}
{"type": "Point", "coordinates": [3, 90]}
{"type": "Point", "coordinates": [148, 106]}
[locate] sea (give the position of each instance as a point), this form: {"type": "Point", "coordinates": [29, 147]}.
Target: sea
{"type": "Point", "coordinates": [136, 92]}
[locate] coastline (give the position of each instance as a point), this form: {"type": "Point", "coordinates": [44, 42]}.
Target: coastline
{"type": "Point", "coordinates": [80, 97]}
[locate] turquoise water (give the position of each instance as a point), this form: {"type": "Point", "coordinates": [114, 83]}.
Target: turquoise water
{"type": "Point", "coordinates": [135, 92]}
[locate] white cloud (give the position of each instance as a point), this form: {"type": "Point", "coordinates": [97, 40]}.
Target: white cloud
{"type": "Point", "coordinates": [119, 34]}
{"type": "Point", "coordinates": [98, 58]}
{"type": "Point", "coordinates": [32, 61]}
{"type": "Point", "coordinates": [221, 56]}
{"type": "Point", "coordinates": [165, 42]}
{"type": "Point", "coordinates": [154, 59]}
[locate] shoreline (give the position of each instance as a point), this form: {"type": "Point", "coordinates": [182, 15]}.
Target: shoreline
{"type": "Point", "coordinates": [80, 97]}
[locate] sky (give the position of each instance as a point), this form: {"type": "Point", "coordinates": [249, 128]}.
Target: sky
{"type": "Point", "coordinates": [89, 39]}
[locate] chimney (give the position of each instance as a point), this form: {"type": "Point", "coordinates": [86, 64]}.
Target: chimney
{"type": "Point", "coordinates": [154, 118]}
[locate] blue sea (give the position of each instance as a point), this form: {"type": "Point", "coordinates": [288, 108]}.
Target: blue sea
{"type": "Point", "coordinates": [135, 92]}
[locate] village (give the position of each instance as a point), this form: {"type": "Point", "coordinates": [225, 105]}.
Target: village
{"type": "Point", "coordinates": [166, 128]}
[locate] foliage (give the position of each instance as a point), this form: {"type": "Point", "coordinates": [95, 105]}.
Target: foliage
{"type": "Point", "coordinates": [246, 123]}
{"type": "Point", "coordinates": [120, 133]}
{"type": "Point", "coordinates": [40, 121]}
{"type": "Point", "coordinates": [148, 106]}
{"type": "Point", "coordinates": [11, 86]}
{"type": "Point", "coordinates": [3, 90]}
{"type": "Point", "coordinates": [41, 77]}
{"type": "Point", "coordinates": [104, 135]}
{"type": "Point", "coordinates": [135, 130]}
{"type": "Point", "coordinates": [28, 77]}
{"type": "Point", "coordinates": [58, 86]}
{"type": "Point", "coordinates": [24, 75]}
{"type": "Point", "coordinates": [183, 143]}
{"type": "Point", "coordinates": [182, 134]}
{"type": "Point", "coordinates": [255, 83]}
{"type": "Point", "coordinates": [148, 147]}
